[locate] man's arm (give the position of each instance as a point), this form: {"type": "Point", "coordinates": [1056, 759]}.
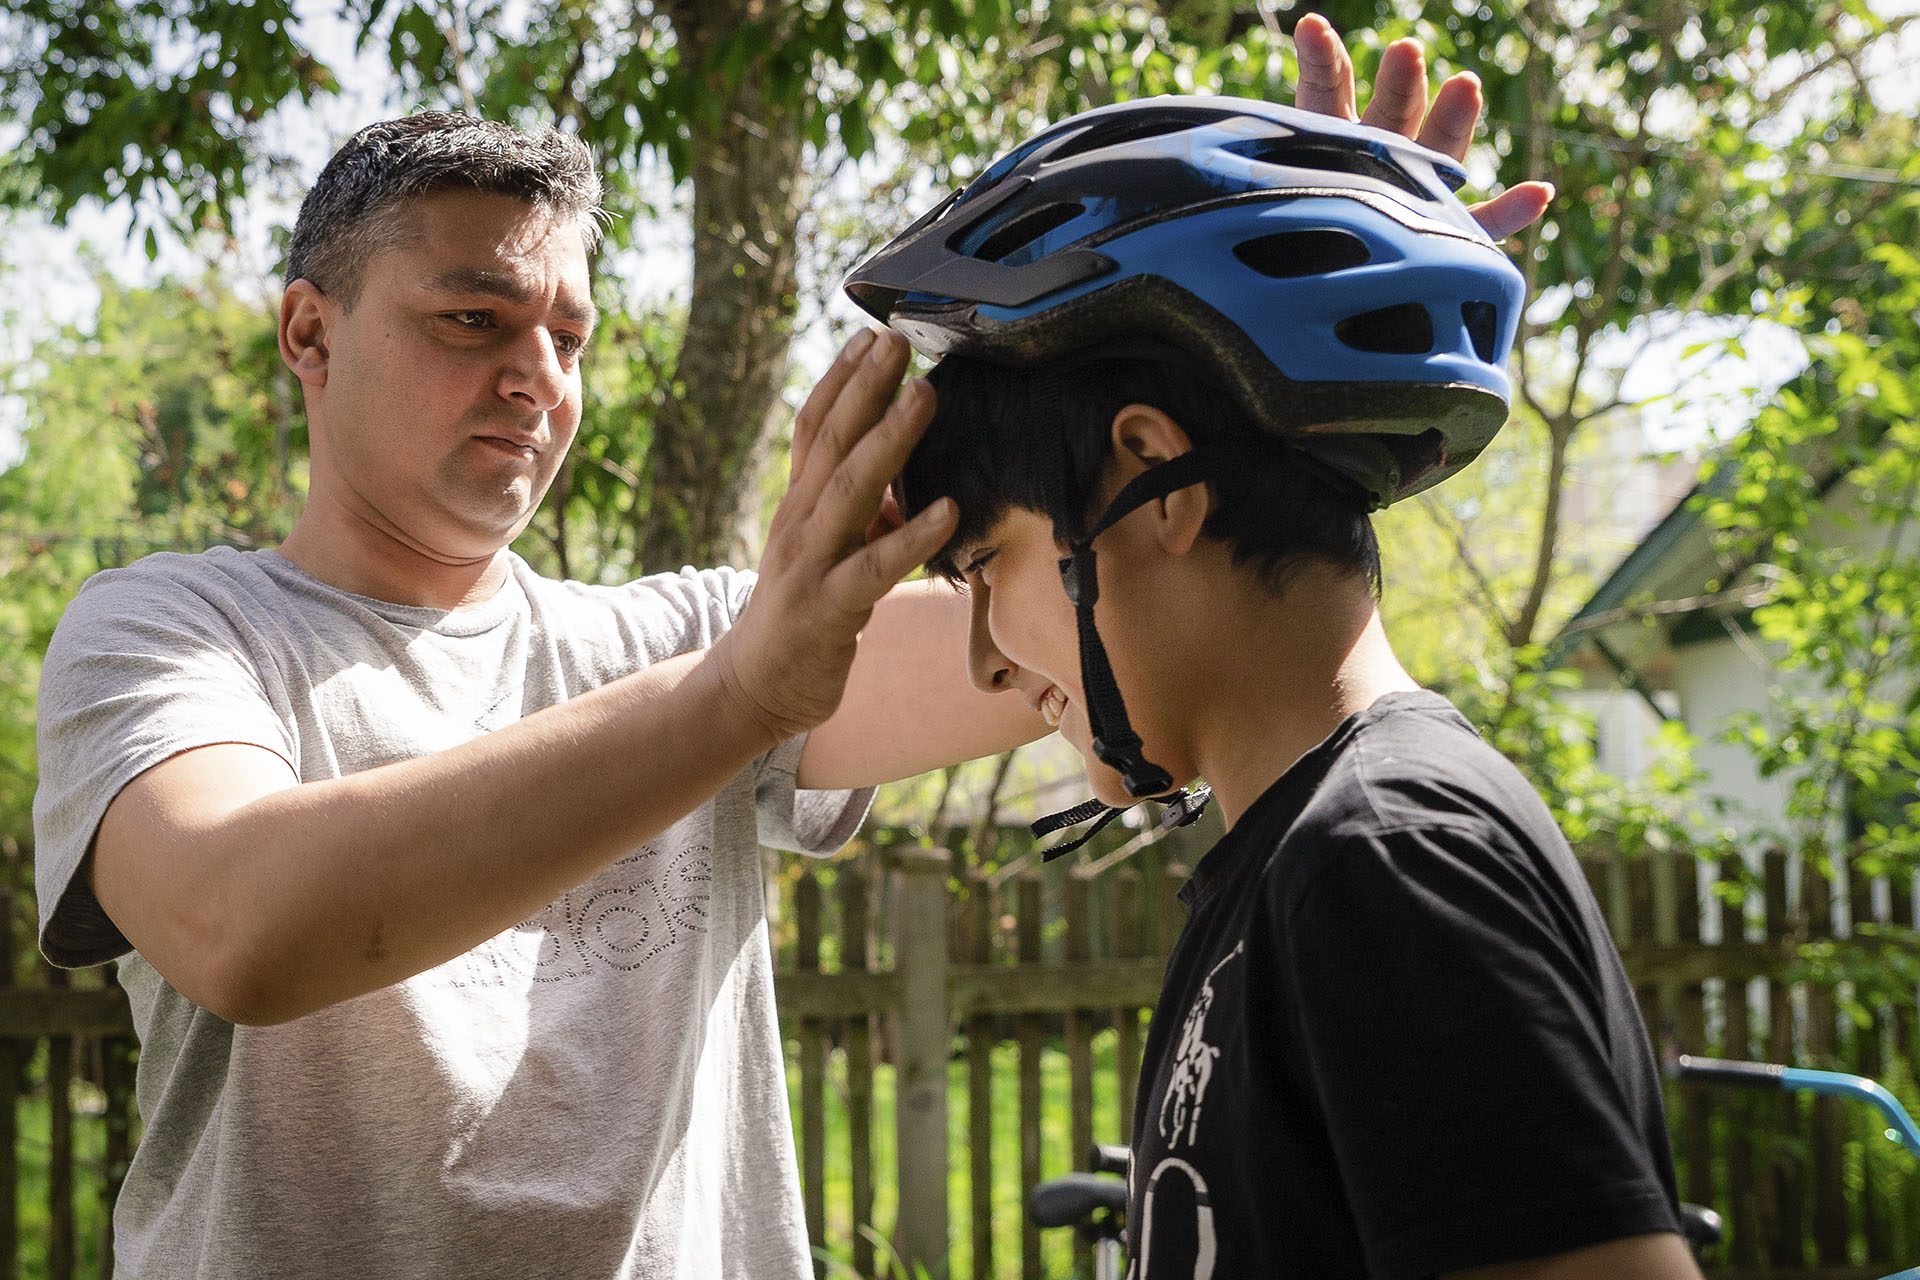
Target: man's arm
{"type": "Point", "coordinates": [261, 898]}
{"type": "Point", "coordinates": [1650, 1257]}
{"type": "Point", "coordinates": [910, 705]}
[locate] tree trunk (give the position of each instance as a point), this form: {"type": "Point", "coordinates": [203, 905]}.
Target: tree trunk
{"type": "Point", "coordinates": [1559, 435]}
{"type": "Point", "coordinates": [709, 440]}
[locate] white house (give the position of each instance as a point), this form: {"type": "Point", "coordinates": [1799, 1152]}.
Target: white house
{"type": "Point", "coordinates": [1669, 635]}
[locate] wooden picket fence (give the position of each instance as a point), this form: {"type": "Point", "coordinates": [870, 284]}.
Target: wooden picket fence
{"type": "Point", "coordinates": [924, 1000]}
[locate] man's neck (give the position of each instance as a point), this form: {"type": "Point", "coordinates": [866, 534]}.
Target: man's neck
{"type": "Point", "coordinates": [1283, 673]}
{"type": "Point", "coordinates": [356, 556]}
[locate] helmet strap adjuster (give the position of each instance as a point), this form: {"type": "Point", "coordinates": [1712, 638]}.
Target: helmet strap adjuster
{"type": "Point", "coordinates": [1114, 741]}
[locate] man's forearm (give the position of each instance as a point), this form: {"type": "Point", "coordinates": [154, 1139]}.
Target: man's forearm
{"type": "Point", "coordinates": [319, 892]}
{"type": "Point", "coordinates": [909, 704]}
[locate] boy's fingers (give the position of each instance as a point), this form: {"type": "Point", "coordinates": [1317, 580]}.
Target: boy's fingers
{"type": "Point", "coordinates": [1515, 209]}
{"type": "Point", "coordinates": [860, 580]}
{"type": "Point", "coordinates": [1455, 115]}
{"type": "Point", "coordinates": [860, 403]}
{"type": "Point", "coordinates": [1400, 89]}
{"type": "Point", "coordinates": [1326, 72]}
{"type": "Point", "coordinates": [806, 424]}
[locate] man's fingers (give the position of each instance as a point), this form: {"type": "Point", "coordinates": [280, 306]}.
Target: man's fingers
{"type": "Point", "coordinates": [1400, 89]}
{"type": "Point", "coordinates": [889, 518]}
{"type": "Point", "coordinates": [806, 425]}
{"type": "Point", "coordinates": [1326, 72]}
{"type": "Point", "coordinates": [859, 581]}
{"type": "Point", "coordinates": [1455, 115]}
{"type": "Point", "coordinates": [857, 489]}
{"type": "Point", "coordinates": [853, 413]}
{"type": "Point", "coordinates": [1515, 209]}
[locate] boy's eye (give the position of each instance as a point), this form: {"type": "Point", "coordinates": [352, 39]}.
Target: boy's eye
{"type": "Point", "coordinates": [978, 561]}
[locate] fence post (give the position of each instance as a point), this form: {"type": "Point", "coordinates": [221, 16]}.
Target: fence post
{"type": "Point", "coordinates": [9, 1117]}
{"type": "Point", "coordinates": [924, 1040]}
{"type": "Point", "coordinates": [813, 1071]}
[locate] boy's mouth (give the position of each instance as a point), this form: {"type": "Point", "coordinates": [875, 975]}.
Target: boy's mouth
{"type": "Point", "coordinates": [1053, 705]}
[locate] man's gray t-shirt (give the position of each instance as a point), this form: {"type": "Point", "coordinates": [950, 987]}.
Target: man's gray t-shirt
{"type": "Point", "coordinates": [597, 1092]}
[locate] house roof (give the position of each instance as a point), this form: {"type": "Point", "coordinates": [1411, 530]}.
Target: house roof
{"type": "Point", "coordinates": [1675, 565]}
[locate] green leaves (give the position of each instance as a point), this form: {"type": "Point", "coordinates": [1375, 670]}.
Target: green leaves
{"type": "Point", "coordinates": [1820, 496]}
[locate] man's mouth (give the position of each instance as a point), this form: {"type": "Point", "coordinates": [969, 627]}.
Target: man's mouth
{"type": "Point", "coordinates": [523, 449]}
{"type": "Point", "coordinates": [1053, 705]}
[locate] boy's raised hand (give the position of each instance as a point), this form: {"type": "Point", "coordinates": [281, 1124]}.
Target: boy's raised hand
{"type": "Point", "coordinates": [788, 656]}
{"type": "Point", "coordinates": [1400, 104]}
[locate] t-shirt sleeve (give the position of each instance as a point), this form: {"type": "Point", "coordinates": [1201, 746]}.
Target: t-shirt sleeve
{"type": "Point", "coordinates": [139, 669]}
{"type": "Point", "coordinates": [790, 817]}
{"type": "Point", "coordinates": [1475, 1112]}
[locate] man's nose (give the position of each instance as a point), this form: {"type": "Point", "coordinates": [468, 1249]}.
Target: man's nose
{"type": "Point", "coordinates": [533, 375]}
{"type": "Point", "coordinates": [991, 670]}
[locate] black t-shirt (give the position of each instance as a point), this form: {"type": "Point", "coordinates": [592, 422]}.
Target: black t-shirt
{"type": "Point", "coordinates": [1395, 1038]}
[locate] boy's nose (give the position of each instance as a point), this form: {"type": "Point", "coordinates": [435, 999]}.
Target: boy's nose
{"type": "Point", "coordinates": [992, 671]}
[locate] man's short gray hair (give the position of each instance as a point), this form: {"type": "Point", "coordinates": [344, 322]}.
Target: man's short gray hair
{"type": "Point", "coordinates": [355, 209]}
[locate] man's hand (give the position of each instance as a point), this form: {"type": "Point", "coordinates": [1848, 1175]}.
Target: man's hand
{"type": "Point", "coordinates": [788, 656]}
{"type": "Point", "coordinates": [1400, 104]}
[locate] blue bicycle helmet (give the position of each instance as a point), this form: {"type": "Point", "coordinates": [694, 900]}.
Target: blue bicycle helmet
{"type": "Point", "coordinates": [1324, 270]}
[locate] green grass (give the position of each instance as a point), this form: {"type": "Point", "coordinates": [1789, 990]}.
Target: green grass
{"type": "Point", "coordinates": [30, 1191]}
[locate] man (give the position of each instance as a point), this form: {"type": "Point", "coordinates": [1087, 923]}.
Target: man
{"type": "Point", "coordinates": [1188, 344]}
{"type": "Point", "coordinates": [440, 878]}
{"type": "Point", "coordinates": [432, 882]}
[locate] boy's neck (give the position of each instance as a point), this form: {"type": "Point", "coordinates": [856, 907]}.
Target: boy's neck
{"type": "Point", "coordinates": [1281, 673]}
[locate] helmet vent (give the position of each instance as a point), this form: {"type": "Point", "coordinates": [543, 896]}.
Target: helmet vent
{"type": "Point", "coordinates": [1403, 330]}
{"type": "Point", "coordinates": [1025, 229]}
{"type": "Point", "coordinates": [1132, 127]}
{"type": "Point", "coordinates": [1290, 254]}
{"type": "Point", "coordinates": [1483, 327]}
{"type": "Point", "coordinates": [1305, 153]}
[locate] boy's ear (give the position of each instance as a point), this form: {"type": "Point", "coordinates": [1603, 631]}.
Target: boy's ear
{"type": "Point", "coordinates": [1143, 437]}
{"type": "Point", "coordinates": [305, 315]}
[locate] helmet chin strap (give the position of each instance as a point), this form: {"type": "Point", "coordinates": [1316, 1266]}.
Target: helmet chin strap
{"type": "Point", "coordinates": [1114, 740]}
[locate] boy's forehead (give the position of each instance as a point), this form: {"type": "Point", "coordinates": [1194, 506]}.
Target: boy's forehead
{"type": "Point", "coordinates": [1013, 524]}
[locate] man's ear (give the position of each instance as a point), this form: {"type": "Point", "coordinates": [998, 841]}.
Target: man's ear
{"type": "Point", "coordinates": [1144, 437]}
{"type": "Point", "coordinates": [305, 315]}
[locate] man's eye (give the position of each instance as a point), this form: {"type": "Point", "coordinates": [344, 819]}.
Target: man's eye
{"type": "Point", "coordinates": [568, 345]}
{"type": "Point", "coordinates": [471, 319]}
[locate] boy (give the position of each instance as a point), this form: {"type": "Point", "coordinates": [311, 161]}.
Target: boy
{"type": "Point", "coordinates": [1188, 345]}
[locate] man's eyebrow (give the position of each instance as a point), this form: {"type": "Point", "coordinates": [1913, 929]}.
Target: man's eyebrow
{"type": "Point", "coordinates": [499, 284]}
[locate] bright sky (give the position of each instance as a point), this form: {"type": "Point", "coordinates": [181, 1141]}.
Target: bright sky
{"type": "Point", "coordinates": [57, 264]}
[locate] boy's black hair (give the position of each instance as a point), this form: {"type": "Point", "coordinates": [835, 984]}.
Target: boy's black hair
{"type": "Point", "coordinates": [999, 435]}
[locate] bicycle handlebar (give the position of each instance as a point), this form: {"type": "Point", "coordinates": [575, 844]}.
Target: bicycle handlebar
{"type": "Point", "coordinates": [1767, 1075]}
{"type": "Point", "coordinates": [1075, 1198]}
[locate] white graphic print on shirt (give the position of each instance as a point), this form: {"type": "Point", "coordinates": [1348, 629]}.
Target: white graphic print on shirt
{"type": "Point", "coordinates": [1179, 1123]}
{"type": "Point", "coordinates": [1192, 1066]}
{"type": "Point", "coordinates": [644, 904]}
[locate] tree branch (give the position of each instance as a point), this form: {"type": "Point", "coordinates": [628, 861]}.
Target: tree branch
{"type": "Point", "coordinates": [1457, 535]}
